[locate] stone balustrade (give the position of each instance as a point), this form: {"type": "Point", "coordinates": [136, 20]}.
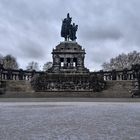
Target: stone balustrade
{"type": "Point", "coordinates": [8, 74]}
{"type": "Point", "coordinates": [117, 75]}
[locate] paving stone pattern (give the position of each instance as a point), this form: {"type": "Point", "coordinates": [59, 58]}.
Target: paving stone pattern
{"type": "Point", "coordinates": [69, 121]}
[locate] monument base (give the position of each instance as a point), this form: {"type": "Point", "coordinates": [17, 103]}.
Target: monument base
{"type": "Point", "coordinates": [114, 89]}
{"type": "Point", "coordinates": [68, 82]}
{"type": "Point", "coordinates": [68, 57]}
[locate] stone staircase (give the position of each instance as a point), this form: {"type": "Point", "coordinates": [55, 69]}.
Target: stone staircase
{"type": "Point", "coordinates": [23, 89]}
{"type": "Point", "coordinates": [18, 86]}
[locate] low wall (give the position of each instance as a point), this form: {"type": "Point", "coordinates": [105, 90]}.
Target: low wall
{"type": "Point", "coordinates": [117, 89]}
{"type": "Point", "coordinates": [22, 89]}
{"type": "Point", "coordinates": [18, 86]}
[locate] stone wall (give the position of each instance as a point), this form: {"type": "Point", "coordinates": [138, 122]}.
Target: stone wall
{"type": "Point", "coordinates": [117, 89]}
{"type": "Point", "coordinates": [22, 89]}
{"type": "Point", "coordinates": [18, 86]}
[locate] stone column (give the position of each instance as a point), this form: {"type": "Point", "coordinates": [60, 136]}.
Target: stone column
{"type": "Point", "coordinates": [71, 62]}
{"type": "Point", "coordinates": [79, 61]}
{"type": "Point", "coordinates": [65, 62]}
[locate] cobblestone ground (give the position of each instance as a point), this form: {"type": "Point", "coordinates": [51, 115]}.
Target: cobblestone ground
{"type": "Point", "coordinates": [69, 121]}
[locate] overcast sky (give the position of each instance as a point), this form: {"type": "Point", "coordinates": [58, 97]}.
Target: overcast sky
{"type": "Point", "coordinates": [30, 29]}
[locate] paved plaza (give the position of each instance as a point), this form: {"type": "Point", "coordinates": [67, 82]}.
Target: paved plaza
{"type": "Point", "coordinates": [69, 120]}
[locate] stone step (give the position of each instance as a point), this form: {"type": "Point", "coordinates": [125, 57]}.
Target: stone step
{"type": "Point", "coordinates": [18, 85]}
{"type": "Point", "coordinates": [23, 89]}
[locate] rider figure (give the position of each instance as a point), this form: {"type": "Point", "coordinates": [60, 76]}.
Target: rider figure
{"type": "Point", "coordinates": [68, 30]}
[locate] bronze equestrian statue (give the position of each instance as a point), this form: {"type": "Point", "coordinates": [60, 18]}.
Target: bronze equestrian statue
{"type": "Point", "coordinates": [68, 30]}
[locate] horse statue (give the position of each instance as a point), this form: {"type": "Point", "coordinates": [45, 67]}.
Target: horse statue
{"type": "Point", "coordinates": [68, 30]}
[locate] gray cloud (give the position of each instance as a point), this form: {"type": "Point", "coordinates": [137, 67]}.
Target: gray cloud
{"type": "Point", "coordinates": [30, 29]}
{"type": "Point", "coordinates": [31, 50]}
{"type": "Point", "coordinates": [103, 34]}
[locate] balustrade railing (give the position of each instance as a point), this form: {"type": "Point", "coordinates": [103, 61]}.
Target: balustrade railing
{"type": "Point", "coordinates": [117, 75]}
{"type": "Point", "coordinates": [8, 74]}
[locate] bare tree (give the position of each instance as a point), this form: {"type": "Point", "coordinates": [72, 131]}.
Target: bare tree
{"type": "Point", "coordinates": [47, 66]}
{"type": "Point", "coordinates": [122, 61]}
{"type": "Point", "coordinates": [32, 66]}
{"type": "Point", "coordinates": [9, 62]}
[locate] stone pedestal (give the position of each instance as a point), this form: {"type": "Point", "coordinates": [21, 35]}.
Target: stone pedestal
{"type": "Point", "coordinates": [68, 72]}
{"type": "Point", "coordinates": [68, 57]}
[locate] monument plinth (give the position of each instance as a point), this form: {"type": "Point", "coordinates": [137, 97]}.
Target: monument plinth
{"type": "Point", "coordinates": [68, 57]}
